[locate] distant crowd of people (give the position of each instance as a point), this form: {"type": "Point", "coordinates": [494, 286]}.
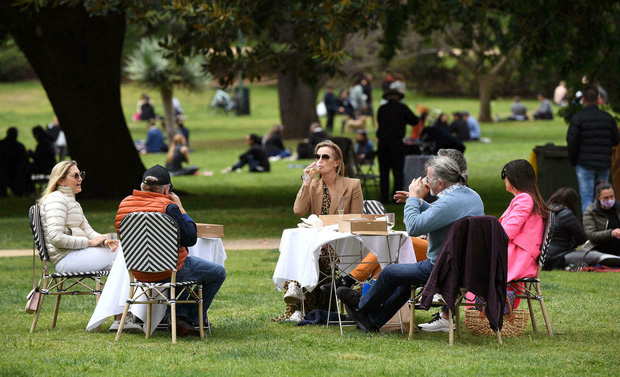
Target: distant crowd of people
{"type": "Point", "coordinates": [20, 167]}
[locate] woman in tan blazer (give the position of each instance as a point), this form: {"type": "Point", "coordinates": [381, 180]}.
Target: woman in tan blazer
{"type": "Point", "coordinates": [323, 184]}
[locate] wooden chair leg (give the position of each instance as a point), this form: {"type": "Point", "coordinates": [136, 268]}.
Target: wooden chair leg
{"type": "Point", "coordinates": [544, 310]}
{"type": "Point", "coordinates": [531, 309]}
{"type": "Point", "coordinates": [122, 323]}
{"type": "Point", "coordinates": [57, 306]}
{"type": "Point", "coordinates": [451, 328]}
{"type": "Point", "coordinates": [200, 313]}
{"type": "Point", "coordinates": [412, 315]}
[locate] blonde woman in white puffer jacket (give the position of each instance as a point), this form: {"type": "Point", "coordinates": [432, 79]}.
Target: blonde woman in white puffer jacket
{"type": "Point", "coordinates": [73, 246]}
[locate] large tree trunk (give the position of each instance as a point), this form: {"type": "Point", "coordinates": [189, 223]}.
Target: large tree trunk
{"type": "Point", "coordinates": [485, 83]}
{"type": "Point", "coordinates": [166, 100]}
{"type": "Point", "coordinates": [78, 60]}
{"type": "Point", "coordinates": [297, 105]}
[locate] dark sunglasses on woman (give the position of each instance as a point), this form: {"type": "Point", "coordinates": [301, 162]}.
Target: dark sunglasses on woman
{"type": "Point", "coordinates": [325, 157]}
{"type": "Point", "coordinates": [76, 175]}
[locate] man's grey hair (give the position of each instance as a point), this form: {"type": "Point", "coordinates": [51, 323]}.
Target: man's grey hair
{"type": "Point", "coordinates": [446, 169]}
{"type": "Point", "coordinates": [458, 157]}
{"type": "Point", "coordinates": [152, 188]}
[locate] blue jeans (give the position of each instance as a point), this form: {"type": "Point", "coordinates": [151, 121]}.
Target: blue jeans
{"type": "Point", "coordinates": [210, 274]}
{"type": "Point", "coordinates": [393, 289]}
{"type": "Point", "coordinates": [586, 179]}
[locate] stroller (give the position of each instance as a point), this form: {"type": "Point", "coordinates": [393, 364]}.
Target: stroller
{"type": "Point", "coordinates": [223, 102]}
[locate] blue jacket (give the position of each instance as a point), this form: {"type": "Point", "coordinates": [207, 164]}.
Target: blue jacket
{"type": "Point", "coordinates": [436, 218]}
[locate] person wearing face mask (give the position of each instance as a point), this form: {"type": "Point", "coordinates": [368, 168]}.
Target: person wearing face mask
{"type": "Point", "coordinates": [601, 220]}
{"type": "Point", "coordinates": [569, 233]}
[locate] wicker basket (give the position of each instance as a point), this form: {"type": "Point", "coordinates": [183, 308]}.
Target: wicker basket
{"type": "Point", "coordinates": [478, 324]}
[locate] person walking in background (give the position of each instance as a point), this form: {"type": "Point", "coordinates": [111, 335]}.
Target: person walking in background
{"type": "Point", "coordinates": [591, 135]}
{"type": "Point", "coordinates": [331, 105]}
{"type": "Point", "coordinates": [393, 118]}
{"type": "Point", "coordinates": [57, 136]}
{"type": "Point", "coordinates": [356, 94]}
{"type": "Point", "coordinates": [369, 109]}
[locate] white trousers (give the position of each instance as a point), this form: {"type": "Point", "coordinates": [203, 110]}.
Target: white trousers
{"type": "Point", "coordinates": [84, 260]}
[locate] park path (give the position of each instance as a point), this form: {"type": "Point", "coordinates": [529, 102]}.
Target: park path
{"type": "Point", "coordinates": [254, 244]}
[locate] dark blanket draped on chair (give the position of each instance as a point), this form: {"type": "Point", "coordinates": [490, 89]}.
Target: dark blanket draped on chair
{"type": "Point", "coordinates": [474, 256]}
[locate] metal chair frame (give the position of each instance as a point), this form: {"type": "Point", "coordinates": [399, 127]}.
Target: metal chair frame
{"type": "Point", "coordinates": [59, 284]}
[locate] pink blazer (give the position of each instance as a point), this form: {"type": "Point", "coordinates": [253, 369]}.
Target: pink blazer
{"type": "Point", "coordinates": [525, 231]}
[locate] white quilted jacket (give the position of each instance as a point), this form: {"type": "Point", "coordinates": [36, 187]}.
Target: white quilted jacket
{"type": "Point", "coordinates": [64, 226]}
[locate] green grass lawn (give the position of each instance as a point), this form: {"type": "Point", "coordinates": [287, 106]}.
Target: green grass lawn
{"type": "Point", "coordinates": [244, 341]}
{"type": "Point", "coordinates": [255, 205]}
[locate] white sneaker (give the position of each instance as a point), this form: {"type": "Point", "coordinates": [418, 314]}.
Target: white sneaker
{"type": "Point", "coordinates": [293, 294]}
{"type": "Point", "coordinates": [296, 317]}
{"type": "Point", "coordinates": [437, 324]}
{"type": "Point", "coordinates": [130, 324]}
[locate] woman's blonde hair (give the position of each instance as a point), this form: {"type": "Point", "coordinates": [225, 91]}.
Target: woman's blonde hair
{"type": "Point", "coordinates": [177, 139]}
{"type": "Point", "coordinates": [59, 172]}
{"type": "Point", "coordinates": [337, 153]}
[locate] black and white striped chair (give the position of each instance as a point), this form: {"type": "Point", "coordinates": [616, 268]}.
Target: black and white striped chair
{"type": "Point", "coordinates": [529, 288]}
{"type": "Point", "coordinates": [373, 207]}
{"type": "Point", "coordinates": [150, 242]}
{"type": "Point", "coordinates": [60, 284]}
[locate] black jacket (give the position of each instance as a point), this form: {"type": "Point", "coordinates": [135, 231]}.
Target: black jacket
{"type": "Point", "coordinates": [474, 255]}
{"type": "Point", "coordinates": [393, 118]}
{"type": "Point", "coordinates": [591, 135]}
{"type": "Point", "coordinates": [568, 233]}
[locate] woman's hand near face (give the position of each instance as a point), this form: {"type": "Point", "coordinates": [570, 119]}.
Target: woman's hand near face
{"type": "Point", "coordinates": [97, 241]}
{"type": "Point", "coordinates": [309, 172]}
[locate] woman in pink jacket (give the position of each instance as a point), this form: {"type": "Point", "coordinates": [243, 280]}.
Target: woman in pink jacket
{"type": "Point", "coordinates": [524, 219]}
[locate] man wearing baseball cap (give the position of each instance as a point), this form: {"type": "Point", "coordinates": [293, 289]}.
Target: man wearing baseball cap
{"type": "Point", "coordinates": [155, 195]}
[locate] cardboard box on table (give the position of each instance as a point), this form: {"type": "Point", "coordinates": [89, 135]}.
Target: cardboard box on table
{"type": "Point", "coordinates": [210, 230]}
{"type": "Point", "coordinates": [335, 219]}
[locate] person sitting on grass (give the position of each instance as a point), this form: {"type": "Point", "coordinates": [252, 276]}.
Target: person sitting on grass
{"type": "Point", "coordinates": [177, 155]}
{"type": "Point", "coordinates": [601, 220]}
{"type": "Point", "coordinates": [255, 157]}
{"type": "Point", "coordinates": [568, 233]}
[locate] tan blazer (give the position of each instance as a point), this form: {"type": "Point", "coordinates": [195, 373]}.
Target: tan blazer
{"type": "Point", "coordinates": [309, 199]}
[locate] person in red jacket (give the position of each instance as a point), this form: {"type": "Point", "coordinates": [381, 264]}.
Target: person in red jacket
{"type": "Point", "coordinates": [156, 195]}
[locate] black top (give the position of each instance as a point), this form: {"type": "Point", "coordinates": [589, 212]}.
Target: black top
{"type": "Point", "coordinates": [613, 245]}
{"type": "Point", "coordinates": [44, 156]}
{"type": "Point", "coordinates": [331, 102]}
{"type": "Point", "coordinates": [393, 118]}
{"type": "Point", "coordinates": [460, 129]}
{"type": "Point", "coordinates": [568, 233]}
{"type": "Point", "coordinates": [275, 143]}
{"type": "Point", "coordinates": [259, 154]}
{"type": "Point", "coordinates": [591, 135]}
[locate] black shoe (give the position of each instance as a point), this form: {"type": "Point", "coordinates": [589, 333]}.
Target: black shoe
{"type": "Point", "coordinates": [349, 296]}
{"type": "Point", "coordinates": [342, 281]}
{"type": "Point", "coordinates": [361, 319]}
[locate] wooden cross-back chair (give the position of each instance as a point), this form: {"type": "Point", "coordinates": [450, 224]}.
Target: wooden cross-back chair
{"type": "Point", "coordinates": [529, 288]}
{"type": "Point", "coordinates": [150, 242]}
{"type": "Point", "coordinates": [59, 284]}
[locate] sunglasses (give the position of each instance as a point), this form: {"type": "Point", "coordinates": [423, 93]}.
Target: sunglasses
{"type": "Point", "coordinates": [318, 157]}
{"type": "Point", "coordinates": [76, 175]}
{"type": "Point", "coordinates": [503, 174]}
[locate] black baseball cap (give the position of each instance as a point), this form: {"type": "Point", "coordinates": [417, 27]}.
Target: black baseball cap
{"type": "Point", "coordinates": [158, 176]}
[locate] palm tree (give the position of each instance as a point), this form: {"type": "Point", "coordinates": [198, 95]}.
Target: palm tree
{"type": "Point", "coordinates": [148, 66]}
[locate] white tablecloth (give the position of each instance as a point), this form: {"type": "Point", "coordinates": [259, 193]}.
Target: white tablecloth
{"type": "Point", "coordinates": [300, 249]}
{"type": "Point", "coordinates": [116, 290]}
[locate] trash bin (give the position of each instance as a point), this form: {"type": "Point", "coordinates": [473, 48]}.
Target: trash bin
{"type": "Point", "coordinates": [243, 101]}
{"type": "Point", "coordinates": [554, 169]}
